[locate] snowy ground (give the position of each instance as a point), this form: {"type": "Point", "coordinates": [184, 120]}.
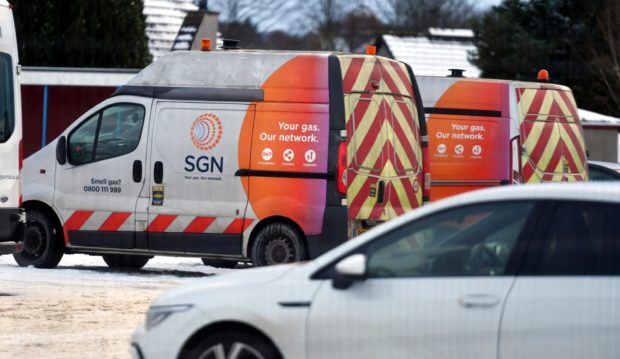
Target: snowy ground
{"type": "Point", "coordinates": [82, 309]}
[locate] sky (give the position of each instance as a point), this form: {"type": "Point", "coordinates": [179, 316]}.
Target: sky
{"type": "Point", "coordinates": [291, 15]}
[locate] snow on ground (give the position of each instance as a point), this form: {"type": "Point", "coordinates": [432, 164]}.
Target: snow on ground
{"type": "Point", "coordinates": [82, 309]}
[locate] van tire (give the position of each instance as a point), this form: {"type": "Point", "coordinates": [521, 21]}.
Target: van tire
{"type": "Point", "coordinates": [42, 247]}
{"type": "Point", "coordinates": [125, 261]}
{"type": "Point", "coordinates": [219, 263]}
{"type": "Point", "coordinates": [277, 243]}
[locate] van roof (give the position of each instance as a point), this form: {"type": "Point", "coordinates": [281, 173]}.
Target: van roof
{"type": "Point", "coordinates": [515, 83]}
{"type": "Point", "coordinates": [230, 69]}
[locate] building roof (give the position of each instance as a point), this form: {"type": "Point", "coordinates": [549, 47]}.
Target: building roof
{"type": "Point", "coordinates": [593, 119]}
{"type": "Point", "coordinates": [71, 76]}
{"type": "Point", "coordinates": [163, 21]}
{"type": "Point", "coordinates": [434, 55]}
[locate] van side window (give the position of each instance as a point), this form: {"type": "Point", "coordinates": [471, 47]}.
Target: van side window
{"type": "Point", "coordinates": [112, 132]}
{"type": "Point", "coordinates": [120, 130]}
{"type": "Point", "coordinates": [584, 239]}
{"type": "Point", "coordinates": [7, 112]}
{"type": "Point", "coordinates": [81, 142]}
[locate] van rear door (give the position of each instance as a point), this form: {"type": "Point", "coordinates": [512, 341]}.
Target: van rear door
{"type": "Point", "coordinates": [553, 147]}
{"type": "Point", "coordinates": [383, 139]}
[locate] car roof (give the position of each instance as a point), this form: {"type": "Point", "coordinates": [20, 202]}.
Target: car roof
{"type": "Point", "coordinates": [575, 191]}
{"type": "Point", "coordinates": [611, 165]}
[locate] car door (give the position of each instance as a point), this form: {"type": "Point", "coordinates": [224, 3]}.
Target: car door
{"type": "Point", "coordinates": [566, 303]}
{"type": "Point", "coordinates": [197, 202]}
{"type": "Point", "coordinates": [435, 288]}
{"type": "Point", "coordinates": [97, 188]}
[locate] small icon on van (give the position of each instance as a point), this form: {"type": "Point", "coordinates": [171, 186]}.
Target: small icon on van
{"type": "Point", "coordinates": [267, 154]}
{"type": "Point", "coordinates": [476, 150]}
{"type": "Point", "coordinates": [459, 149]}
{"type": "Point", "coordinates": [310, 156]}
{"type": "Point", "coordinates": [441, 148]}
{"type": "Point", "coordinates": [288, 155]}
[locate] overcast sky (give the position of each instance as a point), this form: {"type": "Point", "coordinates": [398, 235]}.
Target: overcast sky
{"type": "Point", "coordinates": [292, 16]}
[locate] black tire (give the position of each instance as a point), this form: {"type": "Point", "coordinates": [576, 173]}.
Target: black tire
{"type": "Point", "coordinates": [277, 243]}
{"type": "Point", "coordinates": [125, 261]}
{"type": "Point", "coordinates": [247, 346]}
{"type": "Point", "coordinates": [219, 263]}
{"type": "Point", "coordinates": [43, 246]}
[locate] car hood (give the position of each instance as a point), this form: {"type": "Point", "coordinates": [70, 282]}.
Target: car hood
{"type": "Point", "coordinates": [242, 277]}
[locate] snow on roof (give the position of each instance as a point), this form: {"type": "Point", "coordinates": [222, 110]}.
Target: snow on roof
{"type": "Point", "coordinates": [433, 57]}
{"type": "Point", "coordinates": [462, 33]}
{"type": "Point", "coordinates": [589, 117]}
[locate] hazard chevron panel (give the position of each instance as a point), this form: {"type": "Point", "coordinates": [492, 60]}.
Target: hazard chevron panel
{"type": "Point", "coordinates": [384, 151]}
{"type": "Point", "coordinates": [163, 223]}
{"type": "Point", "coordinates": [551, 136]}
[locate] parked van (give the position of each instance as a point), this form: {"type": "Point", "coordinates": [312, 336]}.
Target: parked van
{"type": "Point", "coordinates": [486, 133]}
{"type": "Point", "coordinates": [269, 157]}
{"type": "Point", "coordinates": [12, 218]}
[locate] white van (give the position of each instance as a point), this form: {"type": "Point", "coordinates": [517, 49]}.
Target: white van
{"type": "Point", "coordinates": [12, 218]}
{"type": "Point", "coordinates": [269, 157]}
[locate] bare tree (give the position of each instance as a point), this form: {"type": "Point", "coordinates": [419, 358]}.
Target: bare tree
{"type": "Point", "coordinates": [604, 53]}
{"type": "Point", "coordinates": [326, 15]}
{"type": "Point", "coordinates": [415, 16]}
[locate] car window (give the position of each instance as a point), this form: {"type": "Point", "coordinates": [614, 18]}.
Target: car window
{"type": "Point", "coordinates": [113, 132]}
{"type": "Point", "coordinates": [583, 239]}
{"type": "Point", "coordinates": [597, 174]}
{"type": "Point", "coordinates": [469, 241]}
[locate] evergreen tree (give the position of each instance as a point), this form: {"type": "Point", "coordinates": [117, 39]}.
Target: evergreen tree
{"type": "Point", "coordinates": [94, 33]}
{"type": "Point", "coordinates": [517, 38]}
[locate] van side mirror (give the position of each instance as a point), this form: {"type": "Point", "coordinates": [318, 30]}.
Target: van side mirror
{"type": "Point", "coordinates": [349, 270]}
{"type": "Point", "coordinates": [61, 150]}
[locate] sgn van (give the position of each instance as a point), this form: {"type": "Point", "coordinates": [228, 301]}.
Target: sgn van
{"type": "Point", "coordinates": [12, 218]}
{"type": "Point", "coordinates": [262, 156]}
{"type": "Point", "coordinates": [485, 132]}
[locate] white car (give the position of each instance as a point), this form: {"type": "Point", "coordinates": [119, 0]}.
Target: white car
{"type": "Point", "coordinates": [510, 272]}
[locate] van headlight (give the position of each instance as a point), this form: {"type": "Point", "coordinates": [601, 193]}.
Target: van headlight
{"type": "Point", "coordinates": [159, 313]}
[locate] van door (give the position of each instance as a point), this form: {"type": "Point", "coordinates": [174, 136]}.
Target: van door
{"type": "Point", "coordinates": [97, 188]}
{"type": "Point", "coordinates": [551, 136]}
{"type": "Point", "coordinates": [366, 190]}
{"type": "Point", "coordinates": [405, 153]}
{"type": "Point", "coordinates": [196, 203]}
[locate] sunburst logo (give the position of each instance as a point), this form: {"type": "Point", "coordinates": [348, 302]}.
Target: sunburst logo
{"type": "Point", "coordinates": [206, 131]}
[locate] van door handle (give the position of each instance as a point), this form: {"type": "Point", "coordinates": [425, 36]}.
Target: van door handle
{"type": "Point", "coordinates": [137, 171]}
{"type": "Point", "coordinates": [479, 301]}
{"type": "Point", "coordinates": [158, 172]}
{"type": "Point", "coordinates": [381, 192]}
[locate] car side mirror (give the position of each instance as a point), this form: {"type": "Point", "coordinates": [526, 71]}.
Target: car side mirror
{"type": "Point", "coordinates": [349, 270]}
{"type": "Point", "coordinates": [61, 150]}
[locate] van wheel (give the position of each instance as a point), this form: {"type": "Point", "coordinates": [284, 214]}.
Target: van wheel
{"type": "Point", "coordinates": [42, 246]}
{"type": "Point", "coordinates": [125, 261]}
{"type": "Point", "coordinates": [219, 263]}
{"type": "Point", "coordinates": [277, 243]}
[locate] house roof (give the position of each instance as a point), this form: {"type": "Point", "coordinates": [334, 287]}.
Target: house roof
{"type": "Point", "coordinates": [435, 54]}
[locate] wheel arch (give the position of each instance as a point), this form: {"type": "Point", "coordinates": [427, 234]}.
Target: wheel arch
{"type": "Point", "coordinates": [275, 219]}
{"type": "Point", "coordinates": [49, 211]}
{"type": "Point", "coordinates": [224, 326]}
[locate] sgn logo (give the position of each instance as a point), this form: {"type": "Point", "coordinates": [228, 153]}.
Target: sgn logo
{"type": "Point", "coordinates": [205, 134]}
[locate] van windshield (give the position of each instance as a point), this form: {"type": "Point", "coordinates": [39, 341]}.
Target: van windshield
{"type": "Point", "coordinates": [7, 110]}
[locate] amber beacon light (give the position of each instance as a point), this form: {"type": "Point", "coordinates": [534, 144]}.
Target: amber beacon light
{"type": "Point", "coordinates": [205, 44]}
{"type": "Point", "coordinates": [543, 76]}
{"type": "Point", "coordinates": [371, 50]}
